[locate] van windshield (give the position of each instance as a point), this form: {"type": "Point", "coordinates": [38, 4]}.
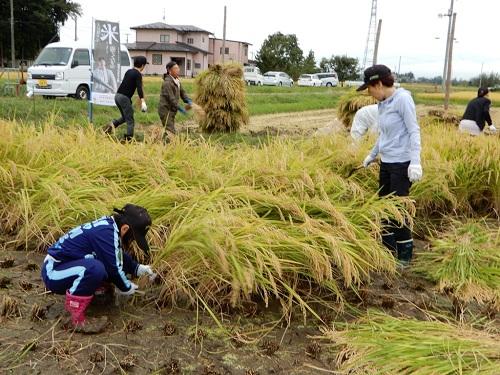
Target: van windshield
{"type": "Point", "coordinates": [54, 56]}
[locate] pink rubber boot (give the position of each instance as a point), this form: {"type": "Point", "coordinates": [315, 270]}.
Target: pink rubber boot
{"type": "Point", "coordinates": [76, 306]}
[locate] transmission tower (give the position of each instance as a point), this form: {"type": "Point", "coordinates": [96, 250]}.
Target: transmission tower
{"type": "Point", "coordinates": [372, 37]}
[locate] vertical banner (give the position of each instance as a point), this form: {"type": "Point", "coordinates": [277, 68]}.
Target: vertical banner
{"type": "Point", "coordinates": [106, 68]}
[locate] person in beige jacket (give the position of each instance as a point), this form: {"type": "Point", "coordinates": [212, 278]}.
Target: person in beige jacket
{"type": "Point", "coordinates": [171, 92]}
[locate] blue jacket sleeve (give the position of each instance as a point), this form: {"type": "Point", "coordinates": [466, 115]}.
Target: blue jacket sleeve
{"type": "Point", "coordinates": [108, 250]}
{"type": "Point", "coordinates": [129, 264]}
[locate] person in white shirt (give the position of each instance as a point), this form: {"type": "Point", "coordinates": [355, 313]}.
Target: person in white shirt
{"type": "Point", "coordinates": [365, 120]}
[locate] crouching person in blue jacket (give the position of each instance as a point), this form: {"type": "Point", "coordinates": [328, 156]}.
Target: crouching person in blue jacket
{"type": "Point", "coordinates": [88, 256]}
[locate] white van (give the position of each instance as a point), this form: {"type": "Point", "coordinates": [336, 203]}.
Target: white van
{"type": "Point", "coordinates": [253, 76]}
{"type": "Point", "coordinates": [328, 79]}
{"type": "Point", "coordinates": [63, 69]}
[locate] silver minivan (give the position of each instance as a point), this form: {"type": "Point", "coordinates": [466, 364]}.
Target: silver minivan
{"type": "Point", "coordinates": [277, 79]}
{"type": "Point", "coordinates": [328, 79]}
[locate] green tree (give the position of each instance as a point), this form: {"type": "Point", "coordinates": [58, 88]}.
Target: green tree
{"type": "Point", "coordinates": [281, 52]}
{"type": "Point", "coordinates": [406, 77]}
{"type": "Point", "coordinates": [36, 24]}
{"type": "Point", "coordinates": [486, 80]}
{"type": "Point", "coordinates": [326, 65]}
{"type": "Point", "coordinates": [347, 68]}
{"type": "Point", "coordinates": [309, 64]}
{"type": "Point", "coordinates": [435, 81]}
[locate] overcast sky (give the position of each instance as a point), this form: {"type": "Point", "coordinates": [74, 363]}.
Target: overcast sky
{"type": "Point", "coordinates": [409, 30]}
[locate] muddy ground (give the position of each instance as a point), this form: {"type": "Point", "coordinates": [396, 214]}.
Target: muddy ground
{"type": "Point", "coordinates": [143, 338]}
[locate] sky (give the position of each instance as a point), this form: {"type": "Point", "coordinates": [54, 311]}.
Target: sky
{"type": "Point", "coordinates": [411, 30]}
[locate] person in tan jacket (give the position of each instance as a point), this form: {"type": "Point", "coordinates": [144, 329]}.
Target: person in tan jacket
{"type": "Point", "coordinates": [171, 92]}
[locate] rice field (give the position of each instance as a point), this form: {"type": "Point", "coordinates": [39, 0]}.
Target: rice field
{"type": "Point", "coordinates": [279, 222]}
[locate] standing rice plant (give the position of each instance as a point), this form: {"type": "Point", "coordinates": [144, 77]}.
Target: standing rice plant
{"type": "Point", "coordinates": [220, 91]}
{"type": "Point", "coordinates": [381, 344]}
{"type": "Point", "coordinates": [466, 262]}
{"type": "Point", "coordinates": [350, 103]}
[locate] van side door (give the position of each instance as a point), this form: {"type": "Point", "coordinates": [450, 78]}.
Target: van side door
{"type": "Point", "coordinates": [79, 71]}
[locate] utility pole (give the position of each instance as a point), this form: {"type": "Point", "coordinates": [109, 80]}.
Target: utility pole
{"type": "Point", "coordinates": [399, 66]}
{"type": "Point", "coordinates": [377, 40]}
{"type": "Point", "coordinates": [224, 37]}
{"type": "Point", "coordinates": [76, 27]}
{"type": "Point", "coordinates": [450, 59]}
{"type": "Point", "coordinates": [481, 76]}
{"type": "Point", "coordinates": [12, 41]}
{"type": "Point", "coordinates": [448, 42]}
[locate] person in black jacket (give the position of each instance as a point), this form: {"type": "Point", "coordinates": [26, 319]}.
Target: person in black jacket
{"type": "Point", "coordinates": [132, 81]}
{"type": "Point", "coordinates": [477, 114]}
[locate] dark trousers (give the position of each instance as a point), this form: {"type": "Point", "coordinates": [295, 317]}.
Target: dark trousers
{"type": "Point", "coordinates": [124, 104]}
{"type": "Point", "coordinates": [394, 179]}
{"type": "Point", "coordinates": [81, 277]}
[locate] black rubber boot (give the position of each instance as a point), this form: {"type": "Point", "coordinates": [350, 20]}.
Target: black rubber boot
{"type": "Point", "coordinates": [405, 252]}
{"type": "Point", "coordinates": [389, 241]}
{"type": "Point", "coordinates": [127, 138]}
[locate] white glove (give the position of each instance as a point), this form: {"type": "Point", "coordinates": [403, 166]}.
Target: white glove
{"type": "Point", "coordinates": [146, 270]}
{"type": "Point", "coordinates": [415, 172]}
{"type": "Point", "coordinates": [493, 129]}
{"type": "Point", "coordinates": [144, 107]}
{"type": "Point", "coordinates": [368, 160]}
{"type": "Point", "coordinates": [132, 290]}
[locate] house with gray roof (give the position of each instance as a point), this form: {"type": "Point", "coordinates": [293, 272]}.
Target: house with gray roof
{"type": "Point", "coordinates": [193, 48]}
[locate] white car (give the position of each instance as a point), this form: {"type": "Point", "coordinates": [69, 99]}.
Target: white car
{"type": "Point", "coordinates": [277, 79]}
{"type": "Point", "coordinates": [253, 76]}
{"type": "Point", "coordinates": [309, 80]}
{"type": "Point", "coordinates": [328, 79]}
{"type": "Point", "coordinates": [63, 69]}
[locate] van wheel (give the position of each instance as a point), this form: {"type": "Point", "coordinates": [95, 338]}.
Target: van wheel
{"type": "Point", "coordinates": [82, 93]}
{"type": "Point", "coordinates": [329, 84]}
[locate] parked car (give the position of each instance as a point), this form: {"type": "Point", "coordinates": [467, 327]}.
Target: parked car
{"type": "Point", "coordinates": [328, 79]}
{"type": "Point", "coordinates": [353, 83]}
{"type": "Point", "coordinates": [253, 76]}
{"type": "Point", "coordinates": [63, 69]}
{"type": "Point", "coordinates": [309, 80]}
{"type": "Point", "coordinates": [277, 79]}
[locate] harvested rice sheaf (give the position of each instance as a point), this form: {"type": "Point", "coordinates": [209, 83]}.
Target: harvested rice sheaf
{"type": "Point", "coordinates": [465, 261]}
{"type": "Point", "coordinates": [350, 103]}
{"type": "Point", "coordinates": [382, 344]}
{"type": "Point", "coordinates": [220, 92]}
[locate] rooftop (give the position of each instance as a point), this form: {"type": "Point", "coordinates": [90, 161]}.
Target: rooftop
{"type": "Point", "coordinates": [164, 26]}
